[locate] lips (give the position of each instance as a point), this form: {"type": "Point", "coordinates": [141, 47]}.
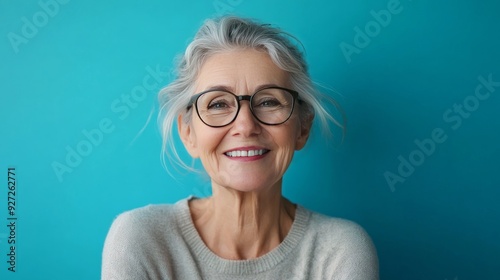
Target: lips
{"type": "Point", "coordinates": [249, 153]}
{"type": "Point", "coordinates": [246, 152]}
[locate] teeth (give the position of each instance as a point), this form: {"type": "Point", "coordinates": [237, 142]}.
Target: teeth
{"type": "Point", "coordinates": [250, 153]}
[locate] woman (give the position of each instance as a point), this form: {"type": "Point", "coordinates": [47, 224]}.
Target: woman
{"type": "Point", "coordinates": [243, 103]}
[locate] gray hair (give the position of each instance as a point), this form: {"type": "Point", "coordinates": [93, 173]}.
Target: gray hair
{"type": "Point", "coordinates": [225, 34]}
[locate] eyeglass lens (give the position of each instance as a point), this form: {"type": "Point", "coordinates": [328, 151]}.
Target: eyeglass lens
{"type": "Point", "coordinates": [269, 106]}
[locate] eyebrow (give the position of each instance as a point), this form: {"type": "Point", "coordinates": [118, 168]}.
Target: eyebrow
{"type": "Point", "coordinates": [230, 89]}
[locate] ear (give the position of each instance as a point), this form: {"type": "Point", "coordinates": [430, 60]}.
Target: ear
{"type": "Point", "coordinates": [305, 129]}
{"type": "Point", "coordinates": [187, 136]}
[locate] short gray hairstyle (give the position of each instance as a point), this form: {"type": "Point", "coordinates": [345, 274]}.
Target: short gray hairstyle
{"type": "Point", "coordinates": [225, 34]}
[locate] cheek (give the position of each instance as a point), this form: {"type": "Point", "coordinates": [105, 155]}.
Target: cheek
{"type": "Point", "coordinates": [285, 140]}
{"type": "Point", "coordinates": [283, 159]}
{"type": "Point", "coordinates": [208, 141]}
{"type": "Point", "coordinates": [206, 138]}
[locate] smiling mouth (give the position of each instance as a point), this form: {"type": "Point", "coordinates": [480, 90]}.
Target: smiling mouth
{"type": "Point", "coordinates": [249, 153]}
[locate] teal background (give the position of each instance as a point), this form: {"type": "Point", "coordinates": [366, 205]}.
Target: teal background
{"type": "Point", "coordinates": [442, 222]}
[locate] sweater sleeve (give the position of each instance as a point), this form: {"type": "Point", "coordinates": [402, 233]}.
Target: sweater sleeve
{"type": "Point", "coordinates": [125, 251]}
{"type": "Point", "coordinates": [359, 260]}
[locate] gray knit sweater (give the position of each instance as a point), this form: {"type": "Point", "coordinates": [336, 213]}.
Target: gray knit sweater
{"type": "Point", "coordinates": [161, 242]}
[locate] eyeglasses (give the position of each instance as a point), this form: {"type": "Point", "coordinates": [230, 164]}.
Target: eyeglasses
{"type": "Point", "coordinates": [219, 107]}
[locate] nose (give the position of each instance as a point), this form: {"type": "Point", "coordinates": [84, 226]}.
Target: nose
{"type": "Point", "coordinates": [245, 123]}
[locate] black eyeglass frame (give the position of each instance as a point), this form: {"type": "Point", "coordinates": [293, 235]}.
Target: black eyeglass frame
{"type": "Point", "coordinates": [239, 98]}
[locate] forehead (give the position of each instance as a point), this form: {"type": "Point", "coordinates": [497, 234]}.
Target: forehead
{"type": "Point", "coordinates": [240, 69]}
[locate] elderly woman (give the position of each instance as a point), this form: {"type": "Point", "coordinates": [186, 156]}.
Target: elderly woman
{"type": "Point", "coordinates": [244, 103]}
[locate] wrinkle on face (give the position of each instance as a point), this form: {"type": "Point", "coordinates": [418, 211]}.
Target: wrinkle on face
{"type": "Point", "coordinates": [243, 71]}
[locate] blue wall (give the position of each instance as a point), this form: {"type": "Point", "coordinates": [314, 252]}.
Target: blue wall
{"type": "Point", "coordinates": [418, 167]}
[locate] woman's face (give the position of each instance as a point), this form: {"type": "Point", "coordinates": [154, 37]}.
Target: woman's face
{"type": "Point", "coordinates": [243, 72]}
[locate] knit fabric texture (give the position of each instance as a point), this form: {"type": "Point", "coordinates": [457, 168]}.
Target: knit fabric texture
{"type": "Point", "coordinates": [161, 242]}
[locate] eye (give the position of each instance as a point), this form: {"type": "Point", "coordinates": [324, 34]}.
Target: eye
{"type": "Point", "coordinates": [268, 102]}
{"type": "Point", "coordinates": [219, 102]}
{"type": "Point", "coordinates": [217, 105]}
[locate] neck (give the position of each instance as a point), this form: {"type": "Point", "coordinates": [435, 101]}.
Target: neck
{"type": "Point", "coordinates": [243, 225]}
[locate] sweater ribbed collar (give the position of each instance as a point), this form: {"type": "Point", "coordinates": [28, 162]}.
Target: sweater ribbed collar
{"type": "Point", "coordinates": [205, 257]}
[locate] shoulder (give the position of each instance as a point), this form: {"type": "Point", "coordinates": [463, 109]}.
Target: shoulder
{"type": "Point", "coordinates": [344, 245]}
{"type": "Point", "coordinates": [140, 227]}
{"type": "Point", "coordinates": [139, 241]}
{"type": "Point", "coordinates": [148, 217]}
{"type": "Point", "coordinates": [338, 229]}
{"type": "Point", "coordinates": [148, 226]}
{"type": "Point", "coordinates": [340, 233]}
